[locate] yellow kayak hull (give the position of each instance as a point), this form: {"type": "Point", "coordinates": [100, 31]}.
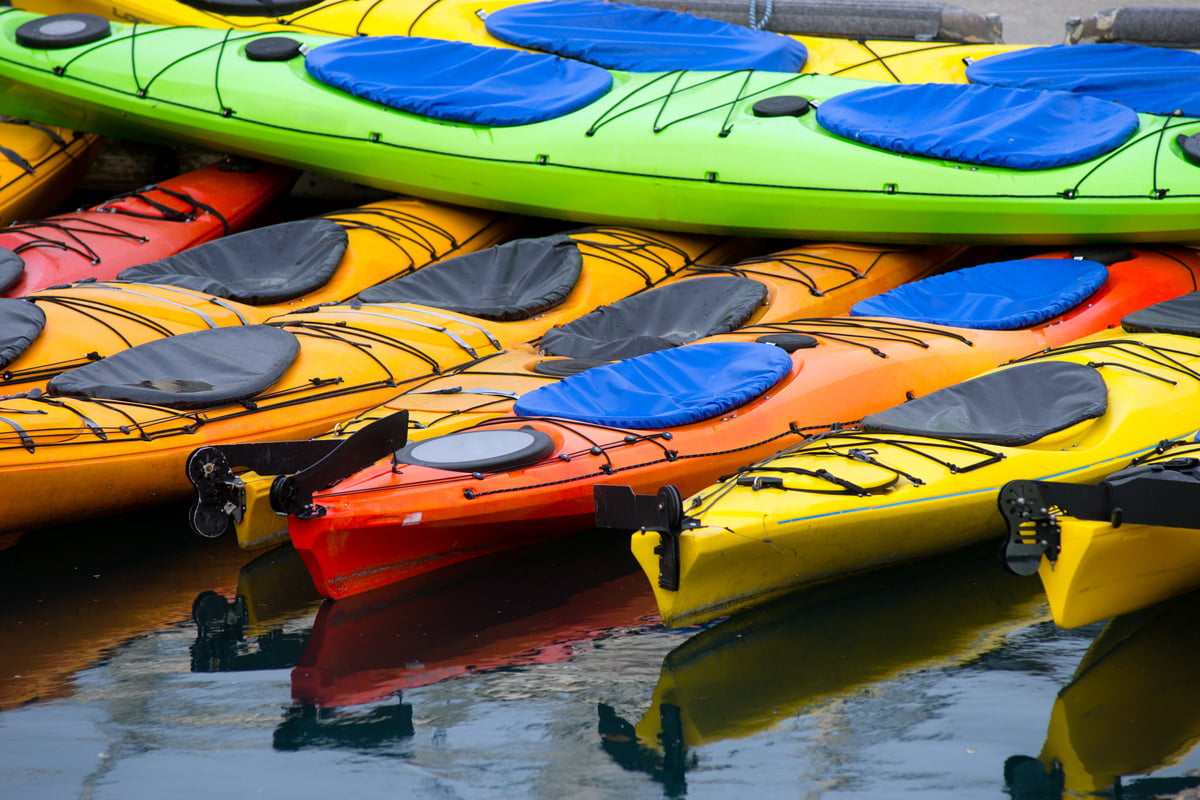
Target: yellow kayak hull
{"type": "Point", "coordinates": [752, 544]}
{"type": "Point", "coordinates": [1103, 571]}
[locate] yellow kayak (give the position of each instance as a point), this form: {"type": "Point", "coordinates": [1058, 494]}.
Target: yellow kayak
{"type": "Point", "coordinates": [39, 166]}
{"type": "Point", "coordinates": [832, 40]}
{"type": "Point", "coordinates": [923, 477]}
{"type": "Point", "coordinates": [1113, 548]}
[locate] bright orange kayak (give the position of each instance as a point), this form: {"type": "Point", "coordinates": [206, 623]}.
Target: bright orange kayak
{"type": "Point", "coordinates": [518, 479]}
{"type": "Point", "coordinates": [800, 281]}
{"type": "Point", "coordinates": [115, 434]}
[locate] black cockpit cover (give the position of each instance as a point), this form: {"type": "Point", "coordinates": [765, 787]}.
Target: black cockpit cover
{"type": "Point", "coordinates": [251, 8]}
{"type": "Point", "coordinates": [667, 316]}
{"type": "Point", "coordinates": [12, 266]}
{"type": "Point", "coordinates": [21, 323]}
{"type": "Point", "coordinates": [1177, 315]}
{"type": "Point", "coordinates": [511, 281]}
{"type": "Point", "coordinates": [265, 265]}
{"type": "Point", "coordinates": [192, 370]}
{"type": "Point", "coordinates": [1010, 407]}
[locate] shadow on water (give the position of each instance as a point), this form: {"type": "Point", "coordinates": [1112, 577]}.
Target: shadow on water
{"type": "Point", "coordinates": [71, 594]}
{"type": "Point", "coordinates": [523, 607]}
{"type": "Point", "coordinates": [1132, 708]}
{"type": "Point", "coordinates": [758, 668]}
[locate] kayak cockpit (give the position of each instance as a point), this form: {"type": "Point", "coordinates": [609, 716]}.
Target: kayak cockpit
{"type": "Point", "coordinates": [257, 267]}
{"type": "Point", "coordinates": [1001, 295]}
{"type": "Point", "coordinates": [194, 370]}
{"type": "Point", "coordinates": [667, 316]}
{"type": "Point", "coordinates": [22, 323]}
{"type": "Point", "coordinates": [512, 281]}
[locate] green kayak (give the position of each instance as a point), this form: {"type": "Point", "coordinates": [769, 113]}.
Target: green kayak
{"type": "Point", "coordinates": [744, 151]}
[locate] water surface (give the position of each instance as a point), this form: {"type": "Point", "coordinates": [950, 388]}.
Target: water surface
{"type": "Point", "coordinates": [543, 673]}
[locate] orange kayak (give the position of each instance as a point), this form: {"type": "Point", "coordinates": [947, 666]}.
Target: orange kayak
{"type": "Point", "coordinates": [810, 280]}
{"type": "Point", "coordinates": [517, 479]}
{"type": "Point", "coordinates": [799, 281]}
{"type": "Point", "coordinates": [83, 322]}
{"type": "Point", "coordinates": [146, 225]}
{"type": "Point", "coordinates": [115, 434]}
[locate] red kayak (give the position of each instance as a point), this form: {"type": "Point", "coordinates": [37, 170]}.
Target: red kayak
{"type": "Point", "coordinates": [136, 228]}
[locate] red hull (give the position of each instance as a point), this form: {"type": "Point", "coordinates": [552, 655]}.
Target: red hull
{"type": "Point", "coordinates": [150, 224]}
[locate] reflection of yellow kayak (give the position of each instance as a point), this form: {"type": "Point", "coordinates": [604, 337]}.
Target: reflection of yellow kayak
{"type": "Point", "coordinates": [265, 626]}
{"type": "Point", "coordinates": [882, 59]}
{"type": "Point", "coordinates": [275, 589]}
{"type": "Point", "coordinates": [725, 682]}
{"type": "Point", "coordinates": [1133, 706]}
{"type": "Point", "coordinates": [39, 166]}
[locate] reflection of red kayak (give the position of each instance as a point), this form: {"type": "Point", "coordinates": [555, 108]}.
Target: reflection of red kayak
{"type": "Point", "coordinates": [142, 226]}
{"type": "Point", "coordinates": [531, 608]}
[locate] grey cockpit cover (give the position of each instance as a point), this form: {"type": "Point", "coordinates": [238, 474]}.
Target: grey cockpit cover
{"type": "Point", "coordinates": [12, 266]}
{"type": "Point", "coordinates": [21, 323]}
{"type": "Point", "coordinates": [192, 370]}
{"type": "Point", "coordinates": [1177, 315]}
{"type": "Point", "coordinates": [265, 265]}
{"type": "Point", "coordinates": [1010, 407]}
{"type": "Point", "coordinates": [510, 281]}
{"type": "Point", "coordinates": [667, 316]}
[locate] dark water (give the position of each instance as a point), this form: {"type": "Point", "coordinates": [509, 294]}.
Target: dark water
{"type": "Point", "coordinates": [542, 673]}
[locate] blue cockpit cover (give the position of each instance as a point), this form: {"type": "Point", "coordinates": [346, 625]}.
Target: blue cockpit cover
{"type": "Point", "coordinates": [640, 39]}
{"type": "Point", "coordinates": [662, 389]}
{"type": "Point", "coordinates": [992, 125]}
{"type": "Point", "coordinates": [1004, 296]}
{"type": "Point", "coordinates": [1150, 80]}
{"type": "Point", "coordinates": [457, 81]}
